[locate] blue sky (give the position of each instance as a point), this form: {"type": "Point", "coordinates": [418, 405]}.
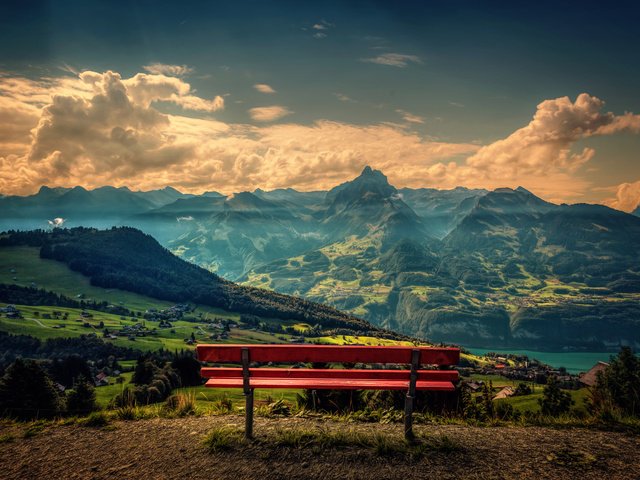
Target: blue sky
{"type": "Point", "coordinates": [450, 72]}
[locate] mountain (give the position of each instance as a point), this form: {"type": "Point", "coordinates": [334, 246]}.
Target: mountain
{"type": "Point", "coordinates": [441, 210]}
{"type": "Point", "coordinates": [230, 235]}
{"type": "Point", "coordinates": [366, 205]}
{"type": "Point", "coordinates": [101, 206]}
{"type": "Point", "coordinates": [513, 271]}
{"type": "Point", "coordinates": [491, 269]}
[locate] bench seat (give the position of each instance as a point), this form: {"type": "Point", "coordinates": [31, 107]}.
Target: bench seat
{"type": "Point", "coordinates": [267, 372]}
{"type": "Point", "coordinates": [331, 384]}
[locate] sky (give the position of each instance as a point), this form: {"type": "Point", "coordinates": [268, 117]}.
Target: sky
{"type": "Point", "coordinates": [233, 96]}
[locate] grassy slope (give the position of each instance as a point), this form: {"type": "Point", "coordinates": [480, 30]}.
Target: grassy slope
{"type": "Point", "coordinates": [56, 276]}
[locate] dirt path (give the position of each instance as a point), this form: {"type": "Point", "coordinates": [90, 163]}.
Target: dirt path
{"type": "Point", "coordinates": [173, 448]}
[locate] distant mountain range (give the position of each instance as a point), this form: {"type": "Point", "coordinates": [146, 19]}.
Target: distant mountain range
{"type": "Point", "coordinates": [491, 269]}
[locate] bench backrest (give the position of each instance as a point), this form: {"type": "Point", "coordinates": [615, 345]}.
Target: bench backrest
{"type": "Point", "coordinates": [262, 353]}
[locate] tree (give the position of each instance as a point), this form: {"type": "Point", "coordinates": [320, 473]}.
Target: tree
{"type": "Point", "coordinates": [554, 401]}
{"type": "Point", "coordinates": [188, 368]}
{"type": "Point", "coordinates": [82, 399]}
{"type": "Point", "coordinates": [144, 371]}
{"type": "Point", "coordinates": [27, 392]}
{"type": "Point", "coordinates": [487, 400]}
{"type": "Point", "coordinates": [522, 389]}
{"type": "Point", "coordinates": [66, 370]}
{"type": "Point", "coordinates": [619, 384]}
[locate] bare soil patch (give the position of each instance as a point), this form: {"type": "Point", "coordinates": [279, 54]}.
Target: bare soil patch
{"type": "Point", "coordinates": [173, 448]}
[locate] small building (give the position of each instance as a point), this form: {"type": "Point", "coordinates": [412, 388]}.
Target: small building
{"type": "Point", "coordinates": [590, 378]}
{"type": "Point", "coordinates": [504, 393]}
{"type": "Point", "coordinates": [102, 379]}
{"type": "Point", "coordinates": [474, 386]}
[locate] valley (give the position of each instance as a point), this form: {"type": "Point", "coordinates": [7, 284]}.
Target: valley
{"type": "Point", "coordinates": [489, 269]}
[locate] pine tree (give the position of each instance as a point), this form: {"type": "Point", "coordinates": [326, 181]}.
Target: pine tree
{"type": "Point", "coordinates": [27, 392]}
{"type": "Point", "coordinates": [554, 401]}
{"type": "Point", "coordinates": [82, 399]}
{"type": "Point", "coordinates": [619, 384]}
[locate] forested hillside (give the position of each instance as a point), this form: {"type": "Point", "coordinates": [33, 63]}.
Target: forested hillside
{"type": "Point", "coordinates": [127, 259]}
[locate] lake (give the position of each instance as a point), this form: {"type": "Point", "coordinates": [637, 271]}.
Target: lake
{"type": "Point", "coordinates": [574, 362]}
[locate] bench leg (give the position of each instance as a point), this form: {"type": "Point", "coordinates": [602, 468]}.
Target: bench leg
{"type": "Point", "coordinates": [248, 418]}
{"type": "Point", "coordinates": [408, 418]}
{"type": "Point", "coordinates": [411, 395]}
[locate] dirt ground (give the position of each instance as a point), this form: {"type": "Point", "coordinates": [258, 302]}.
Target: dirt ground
{"type": "Point", "coordinates": [173, 448]}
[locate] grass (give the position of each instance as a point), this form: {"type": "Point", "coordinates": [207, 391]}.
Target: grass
{"type": "Point", "coordinates": [56, 276]}
{"type": "Point", "coordinates": [6, 438]}
{"type": "Point", "coordinates": [321, 439]}
{"type": "Point", "coordinates": [105, 393]}
{"type": "Point", "coordinates": [223, 438]}
{"type": "Point", "coordinates": [35, 428]}
{"type": "Point", "coordinates": [98, 419]}
{"type": "Point", "coordinates": [181, 405]}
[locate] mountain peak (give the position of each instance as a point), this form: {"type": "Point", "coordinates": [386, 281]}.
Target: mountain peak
{"type": "Point", "coordinates": [369, 173]}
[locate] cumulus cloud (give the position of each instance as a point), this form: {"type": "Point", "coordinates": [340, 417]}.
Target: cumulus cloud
{"type": "Point", "coordinates": [627, 197]}
{"type": "Point", "coordinates": [145, 89]}
{"type": "Point", "coordinates": [269, 114]}
{"type": "Point", "coordinates": [544, 145]}
{"type": "Point", "coordinates": [100, 129]}
{"type": "Point", "coordinates": [393, 59]}
{"type": "Point", "coordinates": [172, 70]}
{"type": "Point", "coordinates": [264, 88]}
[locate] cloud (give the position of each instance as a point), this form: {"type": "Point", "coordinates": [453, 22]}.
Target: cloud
{"type": "Point", "coordinates": [269, 114]}
{"type": "Point", "coordinates": [264, 88]}
{"type": "Point", "coordinates": [410, 117]}
{"type": "Point", "coordinates": [322, 25]}
{"type": "Point", "coordinates": [321, 29]}
{"type": "Point", "coordinates": [171, 70]}
{"type": "Point", "coordinates": [393, 59]}
{"type": "Point", "coordinates": [145, 89]}
{"type": "Point", "coordinates": [627, 197]}
{"type": "Point", "coordinates": [101, 129]}
{"type": "Point", "coordinates": [344, 98]}
{"type": "Point", "coordinates": [544, 145]}
{"type": "Point", "coordinates": [56, 222]}
{"type": "Point", "coordinates": [456, 104]}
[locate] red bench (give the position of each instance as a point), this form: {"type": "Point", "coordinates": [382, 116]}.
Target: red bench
{"type": "Point", "coordinates": [248, 378]}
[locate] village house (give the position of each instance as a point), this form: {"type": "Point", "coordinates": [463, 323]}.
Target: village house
{"type": "Point", "coordinates": [590, 378]}
{"type": "Point", "coordinates": [506, 392]}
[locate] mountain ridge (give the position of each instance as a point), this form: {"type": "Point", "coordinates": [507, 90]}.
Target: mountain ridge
{"type": "Point", "coordinates": [490, 268]}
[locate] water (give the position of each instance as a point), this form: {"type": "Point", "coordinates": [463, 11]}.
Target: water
{"type": "Point", "coordinates": [574, 362]}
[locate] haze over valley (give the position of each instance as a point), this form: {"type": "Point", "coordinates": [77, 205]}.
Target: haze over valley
{"type": "Point", "coordinates": [494, 269]}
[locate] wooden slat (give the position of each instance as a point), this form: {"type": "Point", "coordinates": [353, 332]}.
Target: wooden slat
{"type": "Point", "coordinates": [432, 375]}
{"type": "Point", "coordinates": [330, 384]}
{"type": "Point", "coordinates": [327, 353]}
